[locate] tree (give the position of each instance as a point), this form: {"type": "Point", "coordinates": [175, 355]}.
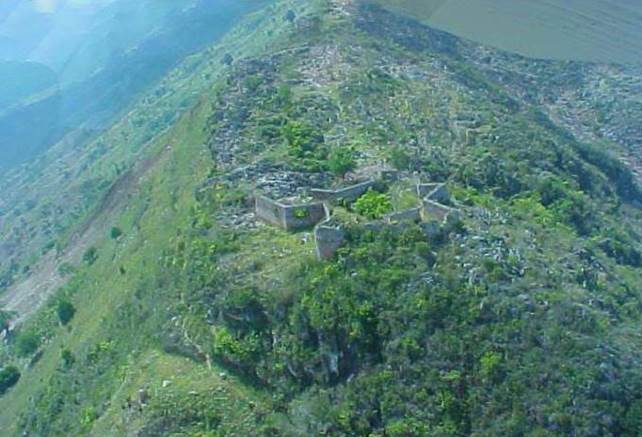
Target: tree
{"type": "Point", "coordinates": [228, 59]}
{"type": "Point", "coordinates": [342, 161]}
{"type": "Point", "coordinates": [9, 376]}
{"type": "Point", "coordinates": [27, 343]}
{"type": "Point", "coordinates": [373, 204]}
{"type": "Point", "coordinates": [115, 233]}
{"type": "Point", "coordinates": [68, 358]}
{"type": "Point", "coordinates": [90, 256]}
{"type": "Point", "coordinates": [301, 138]}
{"type": "Point", "coordinates": [66, 311]}
{"type": "Point", "coordinates": [400, 159]}
{"type": "Point", "coordinates": [290, 16]}
{"type": "Point", "coordinates": [5, 318]}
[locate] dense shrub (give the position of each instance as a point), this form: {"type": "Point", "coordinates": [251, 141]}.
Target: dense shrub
{"type": "Point", "coordinates": [492, 174]}
{"type": "Point", "coordinates": [620, 247]}
{"type": "Point", "coordinates": [290, 15]}
{"type": "Point", "coordinates": [305, 143]}
{"type": "Point", "coordinates": [65, 311]}
{"type": "Point", "coordinates": [68, 358]}
{"type": "Point", "coordinates": [341, 161]}
{"type": "Point", "coordinates": [373, 204]}
{"type": "Point", "coordinates": [5, 318]}
{"type": "Point", "coordinates": [9, 377]}
{"type": "Point", "coordinates": [400, 159]}
{"type": "Point", "coordinates": [115, 233]}
{"type": "Point", "coordinates": [90, 256]}
{"type": "Point", "coordinates": [27, 343]}
{"type": "Point", "coordinates": [227, 59]}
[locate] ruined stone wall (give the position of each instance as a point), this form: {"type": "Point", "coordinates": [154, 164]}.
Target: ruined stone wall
{"type": "Point", "coordinates": [328, 240]}
{"type": "Point", "coordinates": [435, 192]}
{"type": "Point", "coordinates": [289, 217]}
{"type": "Point", "coordinates": [269, 211]}
{"type": "Point", "coordinates": [435, 211]}
{"type": "Point", "coordinates": [349, 194]}
{"type": "Point", "coordinates": [413, 214]}
{"type": "Point", "coordinates": [329, 236]}
{"type": "Point", "coordinates": [296, 217]}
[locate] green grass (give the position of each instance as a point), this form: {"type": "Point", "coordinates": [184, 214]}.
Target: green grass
{"type": "Point", "coordinates": [105, 298]}
{"type": "Point", "coordinates": [172, 380]}
{"type": "Point", "coordinates": [432, 336]}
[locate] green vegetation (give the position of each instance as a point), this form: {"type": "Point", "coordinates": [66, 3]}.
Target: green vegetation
{"type": "Point", "coordinates": [305, 144]}
{"type": "Point", "coordinates": [27, 343]}
{"type": "Point", "coordinates": [5, 318]}
{"type": "Point", "coordinates": [301, 213]}
{"type": "Point", "coordinates": [400, 159]}
{"type": "Point", "coordinates": [65, 311]}
{"type": "Point", "coordinates": [524, 319]}
{"type": "Point", "coordinates": [115, 233]}
{"type": "Point", "coordinates": [9, 377]}
{"type": "Point", "coordinates": [290, 15]}
{"type": "Point", "coordinates": [341, 161]}
{"type": "Point", "coordinates": [373, 204]}
{"type": "Point", "coordinates": [90, 256]}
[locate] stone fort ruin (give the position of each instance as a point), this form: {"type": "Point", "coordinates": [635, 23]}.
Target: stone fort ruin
{"type": "Point", "coordinates": [294, 215]}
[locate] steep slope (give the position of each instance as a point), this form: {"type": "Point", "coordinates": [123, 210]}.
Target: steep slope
{"type": "Point", "coordinates": [521, 318]}
{"type": "Point", "coordinates": [78, 114]}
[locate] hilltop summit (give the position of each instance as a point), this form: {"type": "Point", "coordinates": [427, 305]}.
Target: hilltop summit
{"type": "Point", "coordinates": [163, 305]}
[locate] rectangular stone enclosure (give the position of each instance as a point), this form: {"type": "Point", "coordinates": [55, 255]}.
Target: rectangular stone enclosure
{"type": "Point", "coordinates": [289, 217]}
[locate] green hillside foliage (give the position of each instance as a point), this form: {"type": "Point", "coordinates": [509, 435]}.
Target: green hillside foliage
{"type": "Point", "coordinates": [522, 318]}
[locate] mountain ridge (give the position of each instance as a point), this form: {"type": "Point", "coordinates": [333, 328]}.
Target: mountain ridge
{"type": "Point", "coordinates": [196, 318]}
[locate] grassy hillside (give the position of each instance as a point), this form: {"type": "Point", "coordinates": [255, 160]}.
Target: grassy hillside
{"type": "Point", "coordinates": [586, 30]}
{"type": "Point", "coordinates": [192, 318]}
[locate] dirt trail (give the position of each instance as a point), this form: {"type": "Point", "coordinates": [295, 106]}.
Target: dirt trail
{"type": "Point", "coordinates": [25, 297]}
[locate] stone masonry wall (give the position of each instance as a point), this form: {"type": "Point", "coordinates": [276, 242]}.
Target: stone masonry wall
{"type": "Point", "coordinates": [435, 192]}
{"type": "Point", "coordinates": [329, 237]}
{"type": "Point", "coordinates": [289, 217]}
{"type": "Point", "coordinates": [435, 211]}
{"type": "Point", "coordinates": [413, 214]}
{"type": "Point", "coordinates": [349, 194]}
{"type": "Point", "coordinates": [297, 217]}
{"type": "Point", "coordinates": [269, 211]}
{"type": "Point", "coordinates": [328, 240]}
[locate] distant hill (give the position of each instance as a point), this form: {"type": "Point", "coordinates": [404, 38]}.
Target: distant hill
{"type": "Point", "coordinates": [587, 30]}
{"type": "Point", "coordinates": [121, 55]}
{"type": "Point", "coordinates": [19, 80]}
